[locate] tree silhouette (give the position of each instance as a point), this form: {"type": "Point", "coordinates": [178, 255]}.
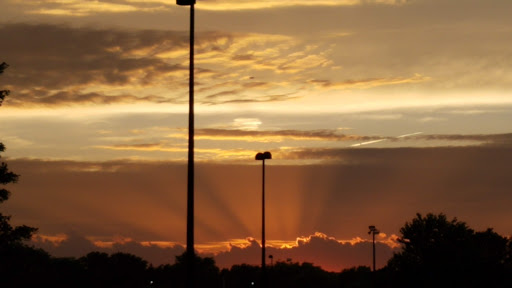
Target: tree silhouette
{"type": "Point", "coordinates": [360, 276]}
{"type": "Point", "coordinates": [305, 275]}
{"type": "Point", "coordinates": [3, 93]}
{"type": "Point", "coordinates": [438, 252]}
{"type": "Point", "coordinates": [9, 235]}
{"type": "Point", "coordinates": [21, 266]}
{"type": "Point", "coordinates": [117, 270]}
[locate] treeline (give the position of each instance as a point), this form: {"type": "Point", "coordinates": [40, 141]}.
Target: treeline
{"type": "Point", "coordinates": [28, 267]}
{"type": "Point", "coordinates": [436, 252]}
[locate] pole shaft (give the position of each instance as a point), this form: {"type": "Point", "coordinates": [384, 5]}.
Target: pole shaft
{"type": "Point", "coordinates": [373, 251]}
{"type": "Point", "coordinates": [263, 268]}
{"type": "Point", "coordinates": [190, 177]}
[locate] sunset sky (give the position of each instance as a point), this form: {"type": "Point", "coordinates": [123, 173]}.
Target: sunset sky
{"type": "Point", "coordinates": [374, 110]}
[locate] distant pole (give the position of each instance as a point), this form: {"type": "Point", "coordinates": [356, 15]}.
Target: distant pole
{"type": "Point", "coordinates": [190, 175]}
{"type": "Point", "coordinates": [373, 234]}
{"type": "Point", "coordinates": [373, 231]}
{"type": "Point", "coordinates": [263, 156]}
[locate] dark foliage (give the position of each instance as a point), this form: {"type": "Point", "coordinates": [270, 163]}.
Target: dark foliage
{"type": "Point", "coordinates": [3, 93]}
{"type": "Point", "coordinates": [10, 235]}
{"type": "Point", "coordinates": [356, 277]}
{"type": "Point", "coordinates": [438, 252]}
{"type": "Point", "coordinates": [20, 265]}
{"type": "Point", "coordinates": [23, 266]}
{"type": "Point", "coordinates": [117, 270]}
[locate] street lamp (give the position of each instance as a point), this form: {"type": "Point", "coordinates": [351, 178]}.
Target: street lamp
{"type": "Point", "coordinates": [190, 180]}
{"type": "Point", "coordinates": [374, 231]}
{"type": "Point", "coordinates": [263, 156]}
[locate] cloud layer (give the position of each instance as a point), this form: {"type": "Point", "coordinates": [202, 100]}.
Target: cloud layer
{"type": "Point", "coordinates": [383, 187]}
{"type": "Point", "coordinates": [341, 49]}
{"type": "Point", "coordinates": [319, 249]}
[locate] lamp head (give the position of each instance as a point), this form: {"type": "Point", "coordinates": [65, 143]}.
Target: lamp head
{"type": "Point", "coordinates": [185, 2]}
{"type": "Point", "coordinates": [263, 156]}
{"type": "Point", "coordinates": [373, 230]}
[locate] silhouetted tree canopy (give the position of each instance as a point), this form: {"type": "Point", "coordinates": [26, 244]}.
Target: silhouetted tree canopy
{"type": "Point", "coordinates": [20, 265]}
{"type": "Point", "coordinates": [3, 93]}
{"type": "Point", "coordinates": [438, 252]}
{"type": "Point", "coordinates": [9, 235]}
{"type": "Point", "coordinates": [360, 276]}
{"type": "Point", "coordinates": [116, 270]}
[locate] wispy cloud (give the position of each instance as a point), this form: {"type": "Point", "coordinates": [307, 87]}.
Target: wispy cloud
{"type": "Point", "coordinates": [302, 149]}
{"type": "Point", "coordinates": [143, 147]}
{"type": "Point", "coordinates": [370, 82]}
{"type": "Point", "coordinates": [202, 154]}
{"type": "Point", "coordinates": [65, 64]}
{"type": "Point", "coordinates": [121, 66]}
{"type": "Point", "coordinates": [277, 136]}
{"type": "Point", "coordinates": [78, 8]}
{"type": "Point", "coordinates": [253, 5]}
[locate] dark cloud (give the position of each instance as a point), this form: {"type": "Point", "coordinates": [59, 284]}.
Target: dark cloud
{"type": "Point", "coordinates": [373, 155]}
{"type": "Point", "coordinates": [484, 139]}
{"type": "Point", "coordinates": [137, 146]}
{"type": "Point", "coordinates": [382, 187]}
{"type": "Point", "coordinates": [243, 57]}
{"type": "Point", "coordinates": [54, 56]}
{"type": "Point", "coordinates": [318, 249]}
{"type": "Point", "coordinates": [500, 141]}
{"type": "Point", "coordinates": [62, 64]}
{"type": "Point", "coordinates": [329, 135]}
{"type": "Point", "coordinates": [77, 245]}
{"type": "Point", "coordinates": [236, 96]}
{"type": "Point", "coordinates": [43, 97]}
{"type": "Point", "coordinates": [54, 64]}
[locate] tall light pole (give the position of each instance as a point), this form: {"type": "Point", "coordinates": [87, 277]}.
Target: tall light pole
{"type": "Point", "coordinates": [263, 156]}
{"type": "Point", "coordinates": [374, 231]}
{"type": "Point", "coordinates": [190, 180]}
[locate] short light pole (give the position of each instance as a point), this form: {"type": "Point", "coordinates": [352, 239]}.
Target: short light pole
{"type": "Point", "coordinates": [374, 231]}
{"type": "Point", "coordinates": [263, 156]}
{"type": "Point", "coordinates": [190, 254]}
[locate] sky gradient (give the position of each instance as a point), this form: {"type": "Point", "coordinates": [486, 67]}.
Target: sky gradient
{"type": "Point", "coordinates": [373, 110]}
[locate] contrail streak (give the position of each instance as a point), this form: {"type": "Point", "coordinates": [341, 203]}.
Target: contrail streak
{"type": "Point", "coordinates": [369, 142]}
{"type": "Point", "coordinates": [406, 135]}
{"type": "Point", "coordinates": [380, 140]}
